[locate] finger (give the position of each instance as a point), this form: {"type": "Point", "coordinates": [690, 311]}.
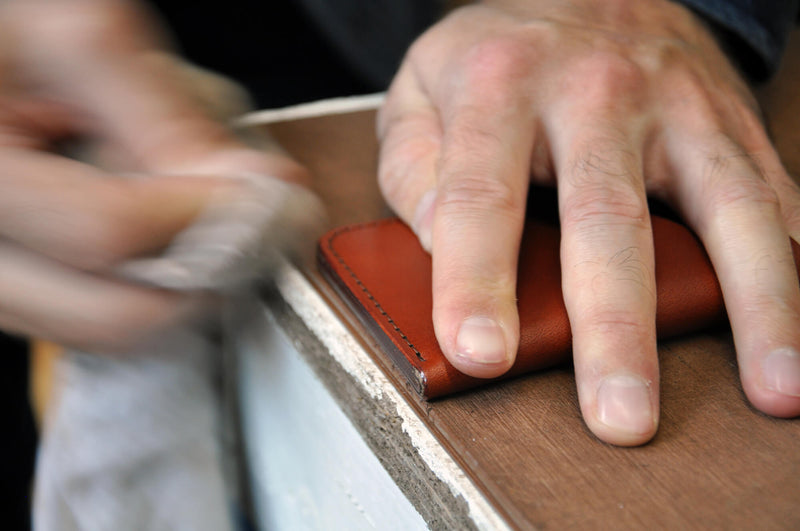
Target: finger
{"type": "Point", "coordinates": [76, 214]}
{"type": "Point", "coordinates": [748, 131]}
{"type": "Point", "coordinates": [483, 177]}
{"type": "Point", "coordinates": [786, 188]}
{"type": "Point", "coordinates": [410, 138]}
{"type": "Point", "coordinates": [608, 279]}
{"type": "Point", "coordinates": [737, 213]}
{"type": "Point", "coordinates": [45, 299]}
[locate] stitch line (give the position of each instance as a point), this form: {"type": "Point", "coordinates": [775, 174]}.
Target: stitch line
{"type": "Point", "coordinates": [361, 285]}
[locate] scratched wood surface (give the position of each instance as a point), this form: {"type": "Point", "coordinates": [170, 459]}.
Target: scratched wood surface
{"type": "Point", "coordinates": [715, 463]}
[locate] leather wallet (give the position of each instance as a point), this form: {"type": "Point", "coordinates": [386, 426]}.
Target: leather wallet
{"type": "Point", "coordinates": [384, 275]}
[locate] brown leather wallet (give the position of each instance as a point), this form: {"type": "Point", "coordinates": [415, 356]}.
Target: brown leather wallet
{"type": "Point", "coordinates": [382, 272]}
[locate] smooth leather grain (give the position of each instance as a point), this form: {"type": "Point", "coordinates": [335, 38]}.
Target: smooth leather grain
{"type": "Point", "coordinates": [385, 276]}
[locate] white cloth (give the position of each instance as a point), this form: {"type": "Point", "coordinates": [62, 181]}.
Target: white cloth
{"type": "Point", "coordinates": [133, 441]}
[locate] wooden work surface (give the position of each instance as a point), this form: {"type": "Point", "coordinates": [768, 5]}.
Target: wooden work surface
{"type": "Point", "coordinates": [715, 462]}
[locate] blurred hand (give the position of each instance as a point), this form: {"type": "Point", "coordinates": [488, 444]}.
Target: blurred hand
{"type": "Point", "coordinates": [97, 70]}
{"type": "Point", "coordinates": [609, 101]}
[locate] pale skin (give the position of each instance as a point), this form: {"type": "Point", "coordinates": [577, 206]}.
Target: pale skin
{"type": "Point", "coordinates": [99, 69]}
{"type": "Point", "coordinates": [609, 101]}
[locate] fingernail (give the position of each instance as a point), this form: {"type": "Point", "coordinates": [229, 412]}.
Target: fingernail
{"type": "Point", "coordinates": [781, 371]}
{"type": "Point", "coordinates": [481, 340]}
{"type": "Point", "coordinates": [423, 219]}
{"type": "Point", "coordinates": [623, 403]}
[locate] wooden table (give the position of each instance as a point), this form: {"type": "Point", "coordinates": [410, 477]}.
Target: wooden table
{"type": "Point", "coordinates": [515, 454]}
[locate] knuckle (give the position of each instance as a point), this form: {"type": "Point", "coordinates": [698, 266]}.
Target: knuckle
{"type": "Point", "coordinates": [689, 83]}
{"type": "Point", "coordinates": [730, 192]}
{"type": "Point", "coordinates": [472, 194]}
{"type": "Point", "coordinates": [466, 136]}
{"type": "Point", "coordinates": [494, 66]}
{"type": "Point", "coordinates": [689, 96]}
{"type": "Point", "coordinates": [604, 204]}
{"type": "Point", "coordinates": [606, 78]}
{"type": "Point", "coordinates": [603, 320]}
{"type": "Point", "coordinates": [498, 58]}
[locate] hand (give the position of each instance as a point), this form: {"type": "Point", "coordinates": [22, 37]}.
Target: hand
{"type": "Point", "coordinates": [609, 101]}
{"type": "Point", "coordinates": [95, 70]}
